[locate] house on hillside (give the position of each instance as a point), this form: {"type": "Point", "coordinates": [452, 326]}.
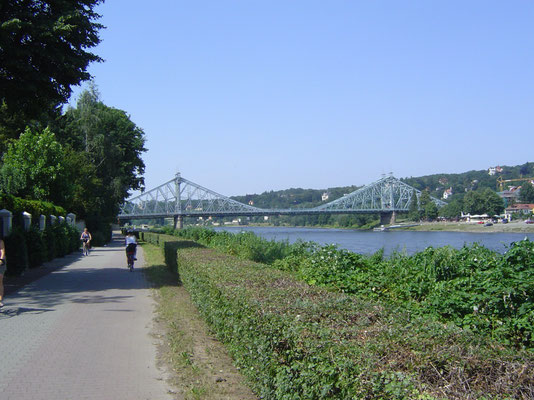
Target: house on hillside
{"type": "Point", "coordinates": [325, 196]}
{"type": "Point", "coordinates": [447, 193]}
{"type": "Point", "coordinates": [511, 195]}
{"type": "Point", "coordinates": [494, 170]}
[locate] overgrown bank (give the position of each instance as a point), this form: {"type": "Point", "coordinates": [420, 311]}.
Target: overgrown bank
{"type": "Point", "coordinates": [201, 367]}
{"type": "Point", "coordinates": [294, 340]}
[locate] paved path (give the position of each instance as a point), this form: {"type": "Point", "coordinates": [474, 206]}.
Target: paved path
{"type": "Point", "coordinates": [81, 332]}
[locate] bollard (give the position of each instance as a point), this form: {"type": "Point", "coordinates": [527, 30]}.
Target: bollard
{"type": "Point", "coordinates": [26, 220]}
{"type": "Point", "coordinates": [53, 219]}
{"type": "Point", "coordinates": [72, 218]}
{"type": "Point", "coordinates": [7, 218]}
{"type": "Point", "coordinates": [42, 222]}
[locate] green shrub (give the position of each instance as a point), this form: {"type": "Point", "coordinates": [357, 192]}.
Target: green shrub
{"type": "Point", "coordinates": [16, 252]}
{"type": "Point", "coordinates": [62, 239]}
{"type": "Point", "coordinates": [296, 341]}
{"type": "Point", "coordinates": [49, 240]}
{"type": "Point", "coordinates": [36, 247]}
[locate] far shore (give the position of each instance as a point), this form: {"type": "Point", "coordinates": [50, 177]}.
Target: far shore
{"type": "Point", "coordinates": [511, 227]}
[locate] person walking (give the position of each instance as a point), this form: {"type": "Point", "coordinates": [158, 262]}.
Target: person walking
{"type": "Point", "coordinates": [3, 268]}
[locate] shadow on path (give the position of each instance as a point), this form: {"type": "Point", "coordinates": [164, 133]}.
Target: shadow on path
{"type": "Point", "coordinates": [9, 312]}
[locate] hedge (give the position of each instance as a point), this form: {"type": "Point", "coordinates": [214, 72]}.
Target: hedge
{"type": "Point", "coordinates": [36, 208]}
{"type": "Point", "coordinates": [295, 341]}
{"type": "Point", "coordinates": [32, 248]}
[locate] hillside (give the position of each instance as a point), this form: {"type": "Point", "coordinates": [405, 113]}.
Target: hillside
{"type": "Point", "coordinates": [436, 184]}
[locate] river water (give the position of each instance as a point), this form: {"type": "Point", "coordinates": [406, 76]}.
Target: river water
{"type": "Point", "coordinates": [367, 242]}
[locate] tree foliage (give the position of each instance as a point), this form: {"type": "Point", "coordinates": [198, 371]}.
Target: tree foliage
{"type": "Point", "coordinates": [483, 202]}
{"type": "Point", "coordinates": [526, 195]}
{"type": "Point", "coordinates": [43, 53]}
{"type": "Point", "coordinates": [34, 167]}
{"type": "Point", "coordinates": [107, 148]}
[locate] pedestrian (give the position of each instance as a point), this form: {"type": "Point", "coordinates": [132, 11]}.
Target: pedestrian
{"type": "Point", "coordinates": [3, 268]}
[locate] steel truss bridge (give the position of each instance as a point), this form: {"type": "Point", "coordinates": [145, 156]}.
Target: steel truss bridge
{"type": "Point", "coordinates": [179, 198]}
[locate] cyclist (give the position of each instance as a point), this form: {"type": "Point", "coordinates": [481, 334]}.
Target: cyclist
{"type": "Point", "coordinates": [86, 240]}
{"type": "Point", "coordinates": [131, 248]}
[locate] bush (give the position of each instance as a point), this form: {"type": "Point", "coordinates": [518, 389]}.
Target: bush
{"type": "Point", "coordinates": [36, 247]}
{"type": "Point", "coordinates": [36, 208]}
{"type": "Point", "coordinates": [49, 240]}
{"type": "Point", "coordinates": [296, 341]}
{"type": "Point", "coordinates": [74, 238]}
{"type": "Point", "coordinates": [16, 252]}
{"type": "Point", "coordinates": [62, 239]}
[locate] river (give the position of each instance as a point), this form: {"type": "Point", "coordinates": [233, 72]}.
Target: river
{"type": "Point", "coordinates": [367, 242]}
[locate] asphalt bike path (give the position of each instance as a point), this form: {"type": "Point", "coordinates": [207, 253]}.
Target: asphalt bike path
{"type": "Point", "coordinates": [82, 332]}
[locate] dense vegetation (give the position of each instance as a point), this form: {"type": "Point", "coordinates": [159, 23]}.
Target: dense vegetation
{"type": "Point", "coordinates": [44, 51]}
{"type": "Point", "coordinates": [468, 181]}
{"type": "Point", "coordinates": [85, 159]}
{"type": "Point", "coordinates": [477, 289]}
{"type": "Point", "coordinates": [296, 340]}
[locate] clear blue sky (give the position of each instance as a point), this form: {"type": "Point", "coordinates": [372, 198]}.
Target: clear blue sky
{"type": "Point", "coordinates": [250, 96]}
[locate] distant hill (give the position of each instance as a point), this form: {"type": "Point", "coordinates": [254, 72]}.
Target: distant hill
{"type": "Point", "coordinates": [294, 198]}
{"type": "Point", "coordinates": [471, 180]}
{"type": "Point", "coordinates": [436, 184]}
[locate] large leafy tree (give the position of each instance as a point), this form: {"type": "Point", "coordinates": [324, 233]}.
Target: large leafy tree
{"type": "Point", "coordinates": [43, 53]}
{"type": "Point", "coordinates": [110, 145]}
{"type": "Point", "coordinates": [452, 210]}
{"type": "Point", "coordinates": [34, 168]}
{"type": "Point", "coordinates": [483, 202]}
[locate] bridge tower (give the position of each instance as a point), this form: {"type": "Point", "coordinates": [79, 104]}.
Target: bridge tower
{"type": "Point", "coordinates": [178, 218]}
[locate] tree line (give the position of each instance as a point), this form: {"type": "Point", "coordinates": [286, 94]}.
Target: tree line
{"type": "Point", "coordinates": [85, 158]}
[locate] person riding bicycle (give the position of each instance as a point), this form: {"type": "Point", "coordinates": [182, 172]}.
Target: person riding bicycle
{"type": "Point", "coordinates": [131, 245]}
{"type": "Point", "coordinates": [86, 239]}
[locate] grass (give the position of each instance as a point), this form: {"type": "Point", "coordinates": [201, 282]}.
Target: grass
{"type": "Point", "coordinates": [200, 366]}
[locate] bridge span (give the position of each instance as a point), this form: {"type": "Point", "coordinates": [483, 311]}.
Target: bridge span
{"type": "Point", "coordinates": [179, 198]}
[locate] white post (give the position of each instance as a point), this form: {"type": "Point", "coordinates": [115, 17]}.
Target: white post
{"type": "Point", "coordinates": [42, 222]}
{"type": "Point", "coordinates": [7, 218]}
{"type": "Point", "coordinates": [72, 218]}
{"type": "Point", "coordinates": [61, 219]}
{"type": "Point", "coordinates": [26, 220]}
{"type": "Point", "coordinates": [53, 219]}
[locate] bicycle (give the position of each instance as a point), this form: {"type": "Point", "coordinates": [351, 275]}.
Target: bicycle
{"type": "Point", "coordinates": [85, 247]}
{"type": "Point", "coordinates": [130, 256]}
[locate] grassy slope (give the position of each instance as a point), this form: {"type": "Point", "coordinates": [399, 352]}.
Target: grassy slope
{"type": "Point", "coordinates": [201, 367]}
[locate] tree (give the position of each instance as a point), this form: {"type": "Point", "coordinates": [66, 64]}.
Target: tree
{"type": "Point", "coordinates": [473, 203]}
{"type": "Point", "coordinates": [526, 195]}
{"type": "Point", "coordinates": [493, 204]}
{"type": "Point", "coordinates": [483, 202]}
{"type": "Point", "coordinates": [452, 210]}
{"type": "Point", "coordinates": [112, 146]}
{"type": "Point", "coordinates": [43, 53]}
{"type": "Point", "coordinates": [431, 211]}
{"type": "Point", "coordinates": [413, 212]}
{"type": "Point", "coordinates": [34, 166]}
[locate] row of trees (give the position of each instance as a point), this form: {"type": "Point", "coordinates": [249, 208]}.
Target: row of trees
{"type": "Point", "coordinates": [85, 159]}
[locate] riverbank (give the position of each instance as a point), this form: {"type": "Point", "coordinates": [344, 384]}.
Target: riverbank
{"type": "Point", "coordinates": [511, 227]}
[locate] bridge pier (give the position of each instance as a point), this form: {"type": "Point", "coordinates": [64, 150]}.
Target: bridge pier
{"type": "Point", "coordinates": [178, 222]}
{"type": "Point", "coordinates": [388, 218]}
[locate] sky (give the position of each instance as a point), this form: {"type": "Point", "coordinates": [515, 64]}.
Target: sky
{"type": "Point", "coordinates": [247, 96]}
